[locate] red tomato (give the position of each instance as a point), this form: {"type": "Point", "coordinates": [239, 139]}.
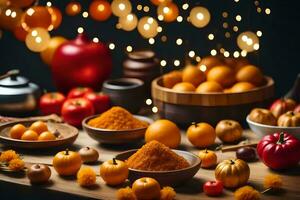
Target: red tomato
{"type": "Point", "coordinates": [51, 103]}
{"type": "Point", "coordinates": [75, 110]}
{"type": "Point", "coordinates": [100, 101]}
{"type": "Point", "coordinates": [79, 92]}
{"type": "Point", "coordinates": [279, 150]}
{"type": "Point", "coordinates": [213, 188]}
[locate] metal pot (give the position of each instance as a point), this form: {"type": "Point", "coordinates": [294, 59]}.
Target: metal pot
{"type": "Point", "coordinates": [18, 96]}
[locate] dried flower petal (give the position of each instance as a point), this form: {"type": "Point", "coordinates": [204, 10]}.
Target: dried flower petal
{"type": "Point", "coordinates": [86, 177]}
{"type": "Point", "coordinates": [167, 193]}
{"type": "Point", "coordinates": [126, 194]}
{"type": "Point", "coordinates": [16, 164]}
{"type": "Point", "coordinates": [273, 181]}
{"type": "Point", "coordinates": [246, 193]}
{"type": "Point", "coordinates": [8, 155]}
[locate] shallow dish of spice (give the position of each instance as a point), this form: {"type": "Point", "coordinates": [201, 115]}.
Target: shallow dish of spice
{"type": "Point", "coordinates": [116, 126]}
{"type": "Point", "coordinates": [155, 160]}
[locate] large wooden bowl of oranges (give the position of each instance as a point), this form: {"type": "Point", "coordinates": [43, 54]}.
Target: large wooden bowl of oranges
{"type": "Point", "coordinates": [215, 89]}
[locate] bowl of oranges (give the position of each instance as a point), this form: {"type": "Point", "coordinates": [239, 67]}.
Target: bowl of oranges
{"type": "Point", "coordinates": [214, 89]}
{"type": "Point", "coordinates": [37, 134]}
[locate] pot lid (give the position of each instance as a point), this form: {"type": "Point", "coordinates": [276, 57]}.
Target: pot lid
{"type": "Point", "coordinates": [141, 55]}
{"type": "Point", "coordinates": [11, 79]}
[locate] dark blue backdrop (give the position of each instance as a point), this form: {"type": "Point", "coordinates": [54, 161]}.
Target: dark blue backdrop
{"type": "Point", "coordinates": [278, 55]}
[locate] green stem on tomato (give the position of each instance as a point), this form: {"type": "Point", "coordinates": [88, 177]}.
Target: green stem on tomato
{"type": "Point", "coordinates": [281, 138]}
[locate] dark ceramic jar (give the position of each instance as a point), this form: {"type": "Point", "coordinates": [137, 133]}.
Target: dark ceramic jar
{"type": "Point", "coordinates": [142, 65]}
{"type": "Point", "coordinates": [128, 93]}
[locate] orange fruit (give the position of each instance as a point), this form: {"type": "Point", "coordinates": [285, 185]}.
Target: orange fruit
{"type": "Point", "coordinates": [201, 135]}
{"type": "Point", "coordinates": [17, 131]}
{"type": "Point", "coordinates": [172, 78]}
{"type": "Point", "coordinates": [209, 86]}
{"type": "Point", "coordinates": [242, 87]}
{"type": "Point", "coordinates": [47, 135]}
{"type": "Point", "coordinates": [209, 62]}
{"type": "Point", "coordinates": [236, 63]}
{"type": "Point", "coordinates": [29, 135]}
{"type": "Point", "coordinates": [184, 87]}
{"type": "Point", "coordinates": [39, 127]}
{"type": "Point", "coordinates": [251, 74]}
{"type": "Point", "coordinates": [165, 132]}
{"type": "Point", "coordinates": [208, 158]}
{"type": "Point", "coordinates": [193, 75]}
{"type": "Point", "coordinates": [223, 75]}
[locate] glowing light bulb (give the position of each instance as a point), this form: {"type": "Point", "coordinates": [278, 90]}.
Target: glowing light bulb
{"type": "Point", "coordinates": [111, 46]}
{"type": "Point", "coordinates": [179, 41]}
{"type": "Point", "coordinates": [211, 36]}
{"type": "Point", "coordinates": [80, 30]}
{"type": "Point", "coordinates": [192, 54]}
{"type": "Point", "coordinates": [176, 63]}
{"type": "Point", "coordinates": [213, 52]}
{"type": "Point", "coordinates": [163, 63]}
{"type": "Point", "coordinates": [129, 48]}
{"type": "Point", "coordinates": [95, 39]}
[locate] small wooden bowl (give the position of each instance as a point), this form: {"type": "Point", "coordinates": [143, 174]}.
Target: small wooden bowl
{"type": "Point", "coordinates": [186, 107]}
{"type": "Point", "coordinates": [165, 178]}
{"type": "Point", "coordinates": [68, 135]}
{"type": "Point", "coordinates": [115, 136]}
{"type": "Point", "coordinates": [262, 130]}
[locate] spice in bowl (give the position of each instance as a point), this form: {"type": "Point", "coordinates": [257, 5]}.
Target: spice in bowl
{"type": "Point", "coordinates": [155, 156]}
{"type": "Point", "coordinates": [117, 118]}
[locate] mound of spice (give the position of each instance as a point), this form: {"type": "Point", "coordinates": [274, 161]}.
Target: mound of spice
{"type": "Point", "coordinates": [155, 156]}
{"type": "Point", "coordinates": [117, 118]}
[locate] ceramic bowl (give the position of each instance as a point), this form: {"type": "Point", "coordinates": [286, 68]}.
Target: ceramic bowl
{"type": "Point", "coordinates": [128, 93]}
{"type": "Point", "coordinates": [67, 132]}
{"type": "Point", "coordinates": [262, 130]}
{"type": "Point", "coordinates": [115, 136]}
{"type": "Point", "coordinates": [174, 177]}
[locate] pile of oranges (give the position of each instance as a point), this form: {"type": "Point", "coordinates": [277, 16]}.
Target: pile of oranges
{"type": "Point", "coordinates": [213, 75]}
{"type": "Point", "coordinates": [37, 131]}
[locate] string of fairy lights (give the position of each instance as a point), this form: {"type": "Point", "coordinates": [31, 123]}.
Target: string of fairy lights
{"type": "Point", "coordinates": [152, 27]}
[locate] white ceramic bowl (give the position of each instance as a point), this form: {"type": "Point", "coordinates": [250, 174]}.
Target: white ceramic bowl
{"type": "Point", "coordinates": [262, 130]}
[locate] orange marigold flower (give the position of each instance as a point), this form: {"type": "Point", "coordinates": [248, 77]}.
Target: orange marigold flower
{"type": "Point", "coordinates": [8, 155]}
{"type": "Point", "coordinates": [273, 181]}
{"type": "Point", "coordinates": [126, 194]}
{"type": "Point", "coordinates": [167, 193]}
{"type": "Point", "coordinates": [86, 177]}
{"type": "Point", "coordinates": [16, 164]}
{"type": "Point", "coordinates": [246, 193]}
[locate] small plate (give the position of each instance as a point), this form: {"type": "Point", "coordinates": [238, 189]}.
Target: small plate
{"type": "Point", "coordinates": [68, 135]}
{"type": "Point", "coordinates": [174, 177]}
{"type": "Point", "coordinates": [115, 136]}
{"type": "Point", "coordinates": [262, 130]}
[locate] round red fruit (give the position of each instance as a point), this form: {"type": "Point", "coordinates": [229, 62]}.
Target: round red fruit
{"type": "Point", "coordinates": [213, 188]}
{"type": "Point", "coordinates": [75, 110]}
{"type": "Point", "coordinates": [51, 103]}
{"type": "Point", "coordinates": [79, 92]}
{"type": "Point", "coordinates": [100, 101]}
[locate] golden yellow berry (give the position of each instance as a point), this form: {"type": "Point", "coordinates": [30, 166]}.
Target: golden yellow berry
{"type": "Point", "coordinates": [86, 177]}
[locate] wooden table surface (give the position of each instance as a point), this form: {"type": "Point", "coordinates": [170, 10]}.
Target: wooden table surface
{"type": "Point", "coordinates": [191, 190]}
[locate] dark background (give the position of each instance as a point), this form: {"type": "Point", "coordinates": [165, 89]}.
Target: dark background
{"type": "Point", "coordinates": [278, 55]}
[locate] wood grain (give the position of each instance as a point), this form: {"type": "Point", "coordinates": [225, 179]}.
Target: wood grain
{"type": "Point", "coordinates": [191, 190]}
{"type": "Point", "coordinates": [167, 95]}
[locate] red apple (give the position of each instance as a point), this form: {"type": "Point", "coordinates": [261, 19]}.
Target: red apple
{"type": "Point", "coordinates": [281, 106]}
{"type": "Point", "coordinates": [100, 101]}
{"type": "Point", "coordinates": [51, 103]}
{"type": "Point", "coordinates": [213, 188]}
{"type": "Point", "coordinates": [79, 92]}
{"type": "Point", "coordinates": [75, 110]}
{"type": "Point", "coordinates": [297, 109]}
{"type": "Point", "coordinates": [81, 62]}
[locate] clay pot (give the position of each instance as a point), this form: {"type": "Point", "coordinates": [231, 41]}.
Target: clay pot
{"type": "Point", "coordinates": [142, 65]}
{"type": "Point", "coordinates": [125, 92]}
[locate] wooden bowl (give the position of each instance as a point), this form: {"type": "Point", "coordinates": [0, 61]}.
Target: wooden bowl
{"type": "Point", "coordinates": [115, 136]}
{"type": "Point", "coordinates": [68, 135]}
{"type": "Point", "coordinates": [262, 130]}
{"type": "Point", "coordinates": [165, 178]}
{"type": "Point", "coordinates": [187, 107]}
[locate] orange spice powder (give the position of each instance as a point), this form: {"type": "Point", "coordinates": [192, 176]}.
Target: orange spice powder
{"type": "Point", "coordinates": [155, 156]}
{"type": "Point", "coordinates": [117, 118]}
